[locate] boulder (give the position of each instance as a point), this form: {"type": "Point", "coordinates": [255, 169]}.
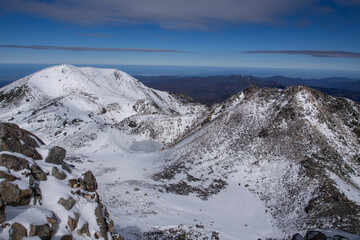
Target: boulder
{"type": "Point", "coordinates": [7, 176]}
{"type": "Point", "coordinates": [14, 196]}
{"type": "Point", "coordinates": [15, 139]}
{"type": "Point", "coordinates": [38, 173]}
{"type": "Point", "coordinates": [44, 232]}
{"type": "Point", "coordinates": [58, 173]}
{"type": "Point", "coordinates": [56, 155]}
{"type": "Point", "coordinates": [2, 211]}
{"type": "Point", "coordinates": [13, 162]}
{"type": "Point", "coordinates": [73, 222]}
{"type": "Point", "coordinates": [67, 237]}
{"type": "Point", "coordinates": [90, 182]}
{"type": "Point", "coordinates": [17, 232]}
{"type": "Point", "coordinates": [297, 237]}
{"type": "Point", "coordinates": [67, 203]}
{"type": "Point", "coordinates": [101, 221]}
{"type": "Point", "coordinates": [315, 235]}
{"type": "Point", "coordinates": [84, 230]}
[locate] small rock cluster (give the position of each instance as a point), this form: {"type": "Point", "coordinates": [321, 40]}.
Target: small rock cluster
{"type": "Point", "coordinates": [23, 173]}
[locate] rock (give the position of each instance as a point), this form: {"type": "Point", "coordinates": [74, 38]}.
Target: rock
{"type": "Point", "coordinates": [73, 223]}
{"type": "Point", "coordinates": [339, 237]}
{"type": "Point", "coordinates": [66, 167]}
{"type": "Point", "coordinates": [297, 237]}
{"type": "Point", "coordinates": [13, 162]}
{"type": "Point", "coordinates": [56, 155]}
{"type": "Point", "coordinates": [214, 236]}
{"type": "Point", "coordinates": [315, 235]}
{"type": "Point", "coordinates": [90, 182]}
{"type": "Point", "coordinates": [2, 210]}
{"type": "Point", "coordinates": [68, 203]}
{"type": "Point", "coordinates": [37, 194]}
{"type": "Point", "coordinates": [15, 139]}
{"type": "Point", "coordinates": [58, 173]}
{"type": "Point", "coordinates": [67, 237]}
{"type": "Point", "coordinates": [53, 221]}
{"type": "Point", "coordinates": [42, 231]}
{"type": "Point", "coordinates": [7, 176]}
{"type": "Point", "coordinates": [17, 231]}
{"type": "Point", "coordinates": [14, 196]}
{"type": "Point", "coordinates": [84, 230]}
{"type": "Point", "coordinates": [38, 173]}
{"type": "Point", "coordinates": [101, 221]}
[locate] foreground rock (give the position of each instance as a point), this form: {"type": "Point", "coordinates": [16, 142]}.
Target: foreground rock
{"type": "Point", "coordinates": [29, 193]}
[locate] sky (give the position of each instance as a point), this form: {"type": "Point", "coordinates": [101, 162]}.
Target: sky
{"type": "Point", "coordinates": [304, 34]}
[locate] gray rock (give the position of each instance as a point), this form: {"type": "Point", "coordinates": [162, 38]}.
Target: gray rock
{"type": "Point", "coordinates": [56, 155]}
{"type": "Point", "coordinates": [13, 162]}
{"type": "Point", "coordinates": [15, 139]}
{"type": "Point", "coordinates": [14, 196]}
{"type": "Point", "coordinates": [90, 182]}
{"type": "Point", "coordinates": [84, 230]}
{"type": "Point", "coordinates": [2, 211]}
{"type": "Point", "coordinates": [297, 237]}
{"type": "Point", "coordinates": [42, 231]}
{"type": "Point", "coordinates": [17, 231]}
{"type": "Point", "coordinates": [38, 173]}
{"type": "Point", "coordinates": [58, 173]}
{"type": "Point", "coordinates": [315, 235]}
{"type": "Point", "coordinates": [101, 221]}
{"type": "Point", "coordinates": [73, 222]}
{"type": "Point", "coordinates": [67, 203]}
{"type": "Point", "coordinates": [66, 167]}
{"type": "Point", "coordinates": [7, 176]}
{"type": "Point", "coordinates": [67, 237]}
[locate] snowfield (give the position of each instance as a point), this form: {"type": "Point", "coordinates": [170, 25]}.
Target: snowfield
{"type": "Point", "coordinates": [166, 165]}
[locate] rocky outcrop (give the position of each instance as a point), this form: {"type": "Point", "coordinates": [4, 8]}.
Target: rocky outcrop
{"type": "Point", "coordinates": [24, 177]}
{"type": "Point", "coordinates": [15, 139]}
{"type": "Point", "coordinates": [56, 155]}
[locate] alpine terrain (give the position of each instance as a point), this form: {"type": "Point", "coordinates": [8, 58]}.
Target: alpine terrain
{"type": "Point", "coordinates": [265, 163]}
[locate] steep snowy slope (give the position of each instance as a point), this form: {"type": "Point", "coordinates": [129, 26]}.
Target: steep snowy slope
{"type": "Point", "coordinates": [296, 149]}
{"type": "Point", "coordinates": [78, 102]}
{"type": "Point", "coordinates": [266, 163]}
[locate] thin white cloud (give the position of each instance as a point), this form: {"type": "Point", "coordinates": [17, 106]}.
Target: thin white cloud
{"type": "Point", "coordinates": [313, 53]}
{"type": "Point", "coordinates": [84, 49]}
{"type": "Point", "coordinates": [193, 14]}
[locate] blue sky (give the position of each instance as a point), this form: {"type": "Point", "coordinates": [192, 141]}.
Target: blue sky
{"type": "Point", "coordinates": [305, 34]}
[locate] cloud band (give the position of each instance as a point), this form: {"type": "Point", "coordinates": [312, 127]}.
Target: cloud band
{"type": "Point", "coordinates": [313, 53]}
{"type": "Point", "coordinates": [92, 49]}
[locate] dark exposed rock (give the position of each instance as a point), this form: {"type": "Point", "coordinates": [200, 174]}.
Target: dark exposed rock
{"type": "Point", "coordinates": [56, 155]}
{"type": "Point", "coordinates": [37, 194]}
{"type": "Point", "coordinates": [15, 139]}
{"type": "Point", "coordinates": [315, 235]}
{"type": "Point", "coordinates": [66, 167]}
{"type": "Point", "coordinates": [67, 237]}
{"type": "Point", "coordinates": [58, 173]}
{"type": "Point", "coordinates": [67, 203]}
{"type": "Point", "coordinates": [2, 211]}
{"type": "Point", "coordinates": [14, 196]}
{"type": "Point", "coordinates": [7, 176]}
{"type": "Point", "coordinates": [73, 222]}
{"type": "Point", "coordinates": [297, 237]}
{"type": "Point", "coordinates": [38, 173]}
{"type": "Point", "coordinates": [17, 231]}
{"type": "Point", "coordinates": [90, 182]}
{"type": "Point", "coordinates": [13, 162]}
{"type": "Point", "coordinates": [42, 231]}
{"type": "Point", "coordinates": [101, 221]}
{"type": "Point", "coordinates": [53, 221]}
{"type": "Point", "coordinates": [84, 230]}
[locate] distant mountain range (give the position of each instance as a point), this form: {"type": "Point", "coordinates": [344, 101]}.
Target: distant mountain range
{"type": "Point", "coordinates": [216, 89]}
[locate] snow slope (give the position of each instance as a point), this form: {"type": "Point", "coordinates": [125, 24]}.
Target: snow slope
{"type": "Point", "coordinates": [259, 165]}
